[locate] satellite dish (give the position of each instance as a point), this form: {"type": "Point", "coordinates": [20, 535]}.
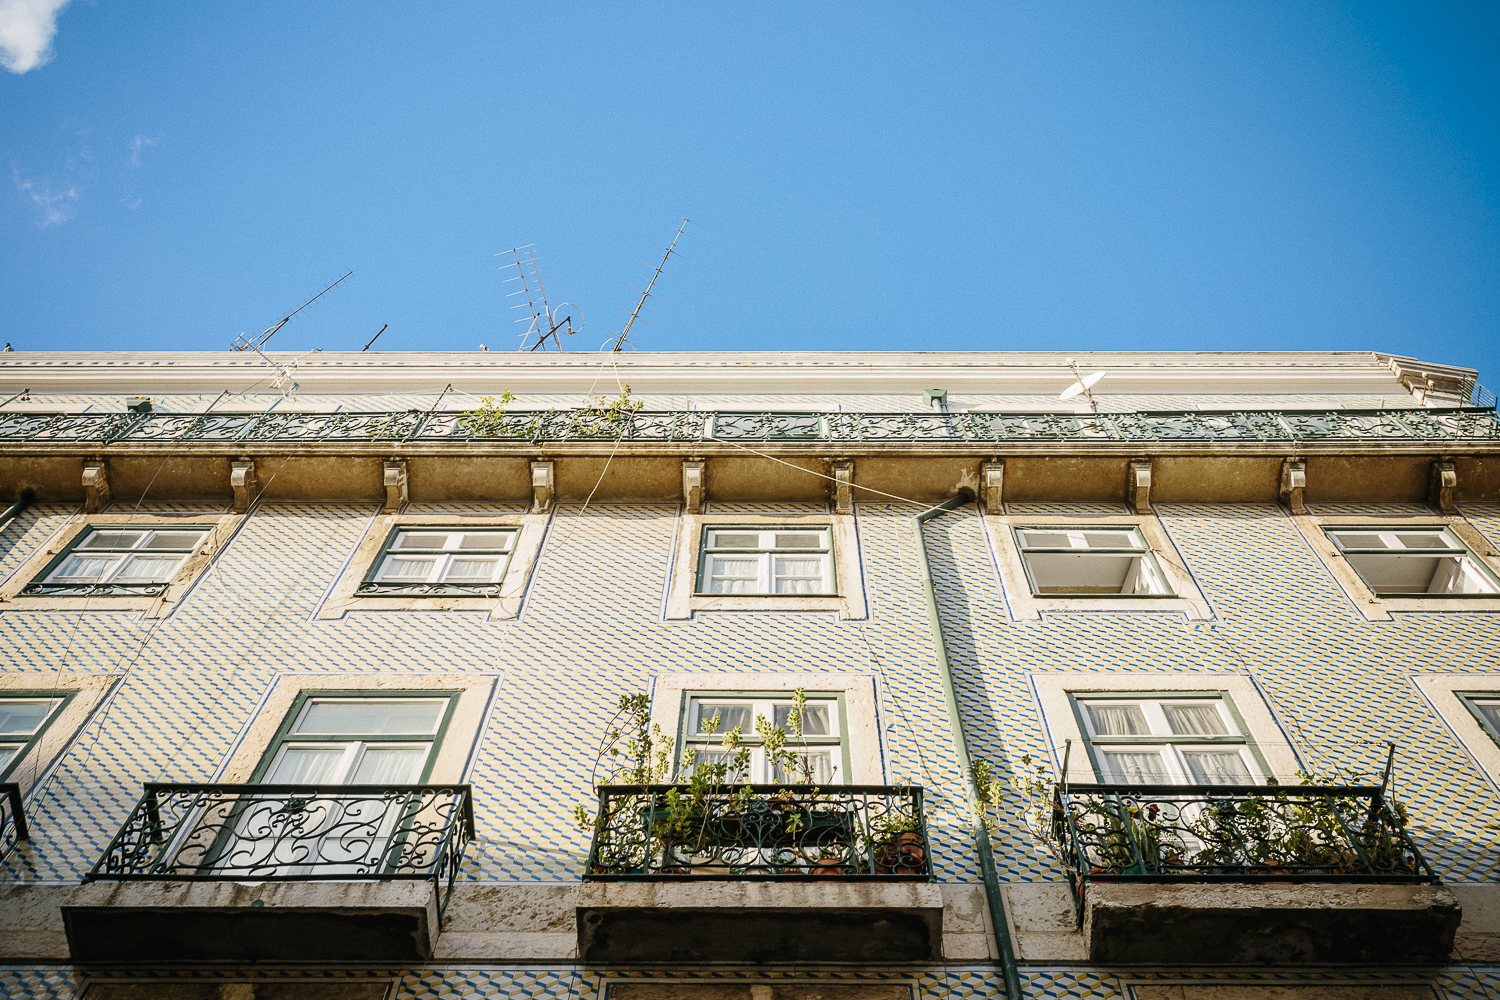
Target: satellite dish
{"type": "Point", "coordinates": [1082, 385]}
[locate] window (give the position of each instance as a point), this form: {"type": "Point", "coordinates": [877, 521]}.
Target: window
{"type": "Point", "coordinates": [1094, 562]}
{"type": "Point", "coordinates": [1486, 710]}
{"type": "Point", "coordinates": [1411, 562]}
{"type": "Point", "coordinates": [439, 560]}
{"type": "Point", "coordinates": [108, 560]}
{"type": "Point", "coordinates": [1193, 740]}
{"type": "Point", "coordinates": [821, 746]}
{"type": "Point", "coordinates": [359, 739]}
{"type": "Point", "coordinates": [755, 560]}
{"type": "Point", "coordinates": [22, 722]}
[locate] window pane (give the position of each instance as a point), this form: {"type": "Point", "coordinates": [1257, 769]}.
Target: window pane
{"type": "Point", "coordinates": [732, 575]}
{"type": "Point", "coordinates": [817, 768]}
{"type": "Point", "coordinates": [371, 717]}
{"type": "Point", "coordinates": [486, 539]}
{"type": "Point", "coordinates": [1133, 767]}
{"type": "Point", "coordinates": [720, 540]}
{"type": "Point", "coordinates": [799, 540]}
{"type": "Point", "coordinates": [421, 540]}
{"type": "Point", "coordinates": [83, 569]}
{"type": "Point", "coordinates": [148, 569]}
{"type": "Point", "coordinates": [1111, 540]}
{"type": "Point", "coordinates": [730, 717]}
{"type": "Point", "coordinates": [471, 570]}
{"type": "Point", "coordinates": [1084, 573]}
{"type": "Point", "coordinates": [1424, 540]}
{"type": "Point", "coordinates": [306, 766]}
{"type": "Point", "coordinates": [1491, 713]}
{"type": "Point", "coordinates": [405, 568]}
{"type": "Point", "coordinates": [1046, 539]}
{"type": "Point", "coordinates": [111, 540]}
{"type": "Point", "coordinates": [175, 540]}
{"type": "Point", "coordinates": [711, 757]}
{"type": "Point", "coordinates": [799, 576]}
{"type": "Point", "coordinates": [814, 719]}
{"type": "Point", "coordinates": [1217, 767]}
{"type": "Point", "coordinates": [389, 766]}
{"type": "Point", "coordinates": [7, 752]}
{"type": "Point", "coordinates": [1118, 720]}
{"type": "Point", "coordinates": [22, 718]}
{"type": "Point", "coordinates": [1195, 720]}
{"type": "Point", "coordinates": [1413, 574]}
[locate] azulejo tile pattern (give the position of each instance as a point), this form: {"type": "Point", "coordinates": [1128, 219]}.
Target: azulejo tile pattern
{"type": "Point", "coordinates": [590, 630]}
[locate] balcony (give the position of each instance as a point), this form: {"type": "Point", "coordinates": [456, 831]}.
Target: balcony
{"type": "Point", "coordinates": [752, 873]}
{"type": "Point", "coordinates": [12, 819]}
{"type": "Point", "coordinates": [203, 872]}
{"type": "Point", "coordinates": [1249, 875]}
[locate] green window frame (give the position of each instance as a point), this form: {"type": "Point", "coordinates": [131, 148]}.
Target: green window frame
{"type": "Point", "coordinates": [1185, 757]}
{"type": "Point", "coordinates": [836, 743]}
{"type": "Point", "coordinates": [119, 560]}
{"type": "Point", "coordinates": [408, 547]}
{"type": "Point", "coordinates": [1127, 568]}
{"type": "Point", "coordinates": [1400, 565]}
{"type": "Point", "coordinates": [289, 734]}
{"type": "Point", "coordinates": [18, 743]}
{"type": "Point", "coordinates": [1485, 707]}
{"type": "Point", "coordinates": [722, 546]}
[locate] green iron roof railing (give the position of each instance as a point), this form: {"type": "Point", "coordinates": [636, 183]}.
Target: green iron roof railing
{"type": "Point", "coordinates": [1462, 424]}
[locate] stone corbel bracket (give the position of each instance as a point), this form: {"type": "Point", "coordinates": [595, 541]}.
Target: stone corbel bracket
{"type": "Point", "coordinates": [543, 487]}
{"type": "Point", "coordinates": [1138, 487]}
{"type": "Point", "coordinates": [1293, 482]}
{"type": "Point", "coordinates": [693, 493]}
{"type": "Point", "coordinates": [95, 487]}
{"type": "Point", "coordinates": [396, 494]}
{"type": "Point", "coordinates": [1441, 485]}
{"type": "Point", "coordinates": [992, 486]}
{"type": "Point", "coordinates": [843, 486]}
{"type": "Point", "coordinates": [243, 481]}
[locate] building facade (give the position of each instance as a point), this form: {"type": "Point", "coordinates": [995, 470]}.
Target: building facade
{"type": "Point", "coordinates": [1183, 687]}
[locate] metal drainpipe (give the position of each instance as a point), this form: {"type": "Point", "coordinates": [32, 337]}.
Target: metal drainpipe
{"type": "Point", "coordinates": [955, 722]}
{"type": "Point", "coordinates": [27, 497]}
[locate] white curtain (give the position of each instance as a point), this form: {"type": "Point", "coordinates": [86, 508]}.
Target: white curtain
{"type": "Point", "coordinates": [1217, 767]}
{"type": "Point", "coordinates": [407, 569]}
{"type": "Point", "coordinates": [814, 719]}
{"type": "Point", "coordinates": [307, 766]}
{"type": "Point", "coordinates": [389, 766]}
{"type": "Point", "coordinates": [1134, 768]}
{"type": "Point", "coordinates": [1118, 720]}
{"type": "Point", "coordinates": [819, 764]}
{"type": "Point", "coordinates": [371, 716]}
{"type": "Point", "coordinates": [1195, 720]}
{"type": "Point", "coordinates": [472, 570]}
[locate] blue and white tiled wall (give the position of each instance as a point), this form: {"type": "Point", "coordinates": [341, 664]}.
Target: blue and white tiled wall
{"type": "Point", "coordinates": [592, 627]}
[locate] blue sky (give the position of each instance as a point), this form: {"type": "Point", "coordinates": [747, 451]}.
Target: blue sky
{"type": "Point", "coordinates": [1081, 176]}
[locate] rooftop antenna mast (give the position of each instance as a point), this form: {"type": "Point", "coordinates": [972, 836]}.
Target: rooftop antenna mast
{"type": "Point", "coordinates": [620, 341]}
{"type": "Point", "coordinates": [243, 343]}
{"type": "Point", "coordinates": [543, 319]}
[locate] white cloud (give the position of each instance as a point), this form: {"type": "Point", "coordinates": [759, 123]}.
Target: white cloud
{"type": "Point", "coordinates": [55, 206]}
{"type": "Point", "coordinates": [135, 150]}
{"type": "Point", "coordinates": [26, 31]}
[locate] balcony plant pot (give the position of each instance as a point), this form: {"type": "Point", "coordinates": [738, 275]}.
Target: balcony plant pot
{"type": "Point", "coordinates": [903, 853]}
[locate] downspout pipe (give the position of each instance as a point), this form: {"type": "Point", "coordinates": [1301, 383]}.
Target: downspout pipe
{"type": "Point", "coordinates": [961, 746]}
{"type": "Point", "coordinates": [28, 496]}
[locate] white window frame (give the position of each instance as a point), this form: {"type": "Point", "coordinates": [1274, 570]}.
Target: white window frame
{"type": "Point", "coordinates": [121, 557]}
{"type": "Point", "coordinates": [1449, 694]}
{"type": "Point", "coordinates": [1169, 746]}
{"type": "Point", "coordinates": [1380, 607]}
{"type": "Point", "coordinates": [1395, 548]}
{"type": "Point", "coordinates": [765, 553]}
{"type": "Point", "coordinates": [443, 557]}
{"type": "Point", "coordinates": [1079, 545]}
{"type": "Point", "coordinates": [1026, 605]}
{"type": "Point", "coordinates": [764, 704]}
{"type": "Point", "coordinates": [846, 599]}
{"type": "Point", "coordinates": [22, 743]}
{"type": "Point", "coordinates": [220, 528]}
{"type": "Point", "coordinates": [1055, 694]}
{"type": "Point", "coordinates": [345, 596]}
{"type": "Point", "coordinates": [860, 723]}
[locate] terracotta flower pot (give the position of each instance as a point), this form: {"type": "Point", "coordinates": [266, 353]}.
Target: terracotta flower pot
{"type": "Point", "coordinates": [902, 854]}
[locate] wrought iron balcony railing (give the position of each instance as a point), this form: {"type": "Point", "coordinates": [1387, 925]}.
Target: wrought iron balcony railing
{"type": "Point", "coordinates": [766, 833]}
{"type": "Point", "coordinates": [1232, 833]}
{"type": "Point", "coordinates": [1462, 424]}
{"type": "Point", "coordinates": [12, 819]}
{"type": "Point", "coordinates": [293, 833]}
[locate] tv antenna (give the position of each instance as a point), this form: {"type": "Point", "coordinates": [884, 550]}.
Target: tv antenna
{"type": "Point", "coordinates": [620, 341]}
{"type": "Point", "coordinates": [1085, 385]}
{"type": "Point", "coordinates": [243, 343]}
{"type": "Point", "coordinates": [543, 319]}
